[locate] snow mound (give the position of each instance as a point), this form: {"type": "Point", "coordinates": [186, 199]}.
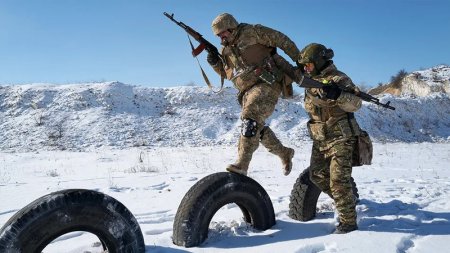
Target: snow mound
{"type": "Point", "coordinates": [84, 116]}
{"type": "Point", "coordinates": [425, 82]}
{"type": "Point", "coordinates": [421, 83]}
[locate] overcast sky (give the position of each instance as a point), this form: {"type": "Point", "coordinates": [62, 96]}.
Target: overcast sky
{"type": "Point", "coordinates": [68, 41]}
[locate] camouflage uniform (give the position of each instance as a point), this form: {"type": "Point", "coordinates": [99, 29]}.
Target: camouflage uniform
{"type": "Point", "coordinates": [333, 129]}
{"type": "Point", "coordinates": [249, 62]}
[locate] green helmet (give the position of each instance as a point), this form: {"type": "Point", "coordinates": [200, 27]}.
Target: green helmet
{"type": "Point", "coordinates": [317, 54]}
{"type": "Point", "coordinates": [223, 22]}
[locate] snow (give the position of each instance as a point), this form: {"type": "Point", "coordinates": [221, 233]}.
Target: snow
{"type": "Point", "coordinates": [428, 81]}
{"type": "Point", "coordinates": [435, 75]}
{"type": "Point", "coordinates": [88, 116]}
{"type": "Point", "coordinates": [147, 146]}
{"type": "Point", "coordinates": [404, 196]}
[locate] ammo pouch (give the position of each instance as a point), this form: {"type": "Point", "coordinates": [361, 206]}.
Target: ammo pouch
{"type": "Point", "coordinates": [268, 72]}
{"type": "Point", "coordinates": [316, 130]}
{"type": "Point", "coordinates": [265, 76]}
{"type": "Point", "coordinates": [363, 150]}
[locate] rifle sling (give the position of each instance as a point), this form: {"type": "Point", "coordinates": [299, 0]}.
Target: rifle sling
{"type": "Point", "coordinates": [195, 52]}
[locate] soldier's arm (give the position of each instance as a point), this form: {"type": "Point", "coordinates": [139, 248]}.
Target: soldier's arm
{"type": "Point", "coordinates": [347, 100]}
{"type": "Point", "coordinates": [344, 82]}
{"type": "Point", "coordinates": [220, 67]}
{"type": "Point", "coordinates": [273, 38]}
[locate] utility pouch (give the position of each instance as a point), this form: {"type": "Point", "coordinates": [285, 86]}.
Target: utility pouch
{"type": "Point", "coordinates": [316, 130]}
{"type": "Point", "coordinates": [265, 76]}
{"type": "Point", "coordinates": [354, 126]}
{"type": "Point", "coordinates": [363, 150]}
{"type": "Point", "coordinates": [345, 128]}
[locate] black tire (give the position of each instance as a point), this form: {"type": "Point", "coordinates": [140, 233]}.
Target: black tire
{"type": "Point", "coordinates": [208, 195]}
{"type": "Point", "coordinates": [304, 196]}
{"type": "Point", "coordinates": [33, 227]}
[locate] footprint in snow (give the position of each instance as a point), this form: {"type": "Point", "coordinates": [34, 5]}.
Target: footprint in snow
{"type": "Point", "coordinates": [158, 187]}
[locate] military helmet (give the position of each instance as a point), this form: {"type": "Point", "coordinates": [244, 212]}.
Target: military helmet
{"type": "Point", "coordinates": [317, 54]}
{"type": "Point", "coordinates": [223, 22]}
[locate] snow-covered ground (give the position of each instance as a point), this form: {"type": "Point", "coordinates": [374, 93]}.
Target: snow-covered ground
{"type": "Point", "coordinates": [147, 146]}
{"type": "Point", "coordinates": [405, 197]}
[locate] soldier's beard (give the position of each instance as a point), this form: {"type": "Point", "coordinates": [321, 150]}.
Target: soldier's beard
{"type": "Point", "coordinates": [227, 40]}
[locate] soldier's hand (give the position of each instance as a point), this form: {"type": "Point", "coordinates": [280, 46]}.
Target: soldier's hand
{"type": "Point", "coordinates": [212, 58]}
{"type": "Point", "coordinates": [332, 91]}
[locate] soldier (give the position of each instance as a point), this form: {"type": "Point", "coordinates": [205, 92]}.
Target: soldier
{"type": "Point", "coordinates": [333, 128]}
{"type": "Point", "coordinates": [249, 53]}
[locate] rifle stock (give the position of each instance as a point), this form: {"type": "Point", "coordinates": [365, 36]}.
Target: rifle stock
{"type": "Point", "coordinates": [204, 44]}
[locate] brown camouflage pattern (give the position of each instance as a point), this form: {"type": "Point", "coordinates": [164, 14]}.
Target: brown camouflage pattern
{"type": "Point", "coordinates": [270, 141]}
{"type": "Point", "coordinates": [334, 134]}
{"type": "Point", "coordinates": [258, 103]}
{"type": "Point", "coordinates": [331, 170]}
{"type": "Point", "coordinates": [323, 110]}
{"type": "Point", "coordinates": [251, 47]}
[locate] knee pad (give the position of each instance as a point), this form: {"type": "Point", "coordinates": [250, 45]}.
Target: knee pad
{"type": "Point", "coordinates": [249, 128]}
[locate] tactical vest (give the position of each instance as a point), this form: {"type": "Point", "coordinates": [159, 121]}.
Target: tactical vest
{"type": "Point", "coordinates": [328, 119]}
{"type": "Point", "coordinates": [250, 61]}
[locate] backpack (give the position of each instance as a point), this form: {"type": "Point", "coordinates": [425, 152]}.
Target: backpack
{"type": "Point", "coordinates": [363, 150]}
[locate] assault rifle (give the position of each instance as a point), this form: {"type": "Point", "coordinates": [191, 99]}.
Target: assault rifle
{"type": "Point", "coordinates": [306, 82]}
{"type": "Point", "coordinates": [204, 44]}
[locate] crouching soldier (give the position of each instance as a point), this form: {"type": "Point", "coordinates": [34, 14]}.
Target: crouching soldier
{"type": "Point", "coordinates": [333, 128]}
{"type": "Point", "coordinates": [249, 53]}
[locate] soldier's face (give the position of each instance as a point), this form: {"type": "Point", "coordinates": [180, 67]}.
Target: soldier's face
{"type": "Point", "coordinates": [224, 36]}
{"type": "Point", "coordinates": [309, 67]}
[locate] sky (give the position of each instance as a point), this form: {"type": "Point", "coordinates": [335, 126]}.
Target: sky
{"type": "Point", "coordinates": [72, 41]}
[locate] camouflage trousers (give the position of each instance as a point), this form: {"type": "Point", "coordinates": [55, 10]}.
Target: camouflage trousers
{"type": "Point", "coordinates": [331, 170]}
{"type": "Point", "coordinates": [258, 103]}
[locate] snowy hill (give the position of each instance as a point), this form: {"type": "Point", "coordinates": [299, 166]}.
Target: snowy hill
{"type": "Point", "coordinates": [146, 147]}
{"type": "Point", "coordinates": [84, 116]}
{"type": "Point", "coordinates": [421, 83]}
{"type": "Point", "coordinates": [425, 82]}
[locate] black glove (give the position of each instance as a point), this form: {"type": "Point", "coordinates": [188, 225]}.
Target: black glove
{"type": "Point", "coordinates": [332, 91]}
{"type": "Point", "coordinates": [212, 58]}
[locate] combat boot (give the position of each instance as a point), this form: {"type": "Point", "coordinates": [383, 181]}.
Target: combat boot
{"type": "Point", "coordinates": [286, 160]}
{"type": "Point", "coordinates": [345, 228]}
{"type": "Point", "coordinates": [274, 146]}
{"type": "Point", "coordinates": [246, 148]}
{"type": "Point", "coordinates": [236, 168]}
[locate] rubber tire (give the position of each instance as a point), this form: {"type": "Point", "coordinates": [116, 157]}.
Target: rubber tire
{"type": "Point", "coordinates": [304, 196]}
{"type": "Point", "coordinates": [208, 195]}
{"type": "Point", "coordinates": [33, 227]}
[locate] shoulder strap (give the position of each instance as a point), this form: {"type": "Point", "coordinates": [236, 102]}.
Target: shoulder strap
{"type": "Point", "coordinates": [222, 78]}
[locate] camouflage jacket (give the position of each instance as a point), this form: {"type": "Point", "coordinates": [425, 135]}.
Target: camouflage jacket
{"type": "Point", "coordinates": [326, 112]}
{"type": "Point", "coordinates": [252, 48]}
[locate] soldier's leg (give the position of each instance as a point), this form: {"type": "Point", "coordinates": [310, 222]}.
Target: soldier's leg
{"type": "Point", "coordinates": [341, 187]}
{"type": "Point", "coordinates": [319, 169]}
{"type": "Point", "coordinates": [248, 143]}
{"type": "Point", "coordinates": [258, 104]}
{"type": "Point", "coordinates": [270, 141]}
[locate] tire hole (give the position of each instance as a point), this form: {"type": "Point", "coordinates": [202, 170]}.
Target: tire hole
{"type": "Point", "coordinates": [228, 221]}
{"type": "Point", "coordinates": [77, 241]}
